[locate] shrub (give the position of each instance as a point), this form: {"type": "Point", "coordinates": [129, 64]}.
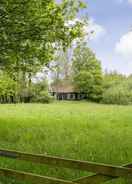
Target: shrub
{"type": "Point", "coordinates": [43, 97]}
{"type": "Point", "coordinates": [119, 94]}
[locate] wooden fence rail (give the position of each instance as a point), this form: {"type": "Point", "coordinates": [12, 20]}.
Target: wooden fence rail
{"type": "Point", "coordinates": [104, 172]}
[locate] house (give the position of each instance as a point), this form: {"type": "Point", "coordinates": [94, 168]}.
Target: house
{"type": "Point", "coordinates": [66, 91]}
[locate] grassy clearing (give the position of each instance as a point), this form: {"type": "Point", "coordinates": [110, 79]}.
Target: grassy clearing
{"type": "Point", "coordinates": [76, 130]}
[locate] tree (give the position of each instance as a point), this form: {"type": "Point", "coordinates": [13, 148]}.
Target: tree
{"type": "Point", "coordinates": [30, 32]}
{"type": "Point", "coordinates": [87, 73]}
{"type": "Point", "coordinates": [61, 67]}
{"type": "Point", "coordinates": [7, 88]}
{"type": "Point", "coordinates": [117, 88]}
{"type": "Point", "coordinates": [40, 92]}
{"type": "Point", "coordinates": [119, 92]}
{"type": "Point", "coordinates": [112, 78]}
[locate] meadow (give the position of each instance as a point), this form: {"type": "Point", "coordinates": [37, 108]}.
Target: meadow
{"type": "Point", "coordinates": [78, 130]}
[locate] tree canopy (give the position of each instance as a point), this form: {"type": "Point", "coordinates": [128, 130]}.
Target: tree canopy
{"type": "Point", "coordinates": [87, 73]}
{"type": "Point", "coordinates": [30, 30]}
{"type": "Point", "coordinates": [30, 33]}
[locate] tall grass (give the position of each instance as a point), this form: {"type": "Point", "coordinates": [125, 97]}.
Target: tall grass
{"type": "Point", "coordinates": [78, 130]}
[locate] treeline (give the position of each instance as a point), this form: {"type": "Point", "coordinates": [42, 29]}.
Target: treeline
{"type": "Point", "coordinates": [117, 89]}
{"type": "Point", "coordinates": [103, 87]}
{"type": "Point", "coordinates": [85, 72]}
{"type": "Point", "coordinates": [86, 75]}
{"type": "Point", "coordinates": [12, 92]}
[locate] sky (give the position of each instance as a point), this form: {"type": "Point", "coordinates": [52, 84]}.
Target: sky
{"type": "Point", "coordinates": [112, 42]}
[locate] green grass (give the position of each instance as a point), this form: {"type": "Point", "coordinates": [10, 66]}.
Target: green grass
{"type": "Point", "coordinates": [78, 130]}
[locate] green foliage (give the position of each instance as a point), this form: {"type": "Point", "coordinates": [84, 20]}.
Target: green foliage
{"type": "Point", "coordinates": [40, 92]}
{"type": "Point", "coordinates": [71, 7]}
{"type": "Point", "coordinates": [43, 97]}
{"type": "Point", "coordinates": [11, 92]}
{"type": "Point", "coordinates": [39, 86]}
{"type": "Point", "coordinates": [119, 93]}
{"type": "Point", "coordinates": [87, 73]}
{"type": "Point", "coordinates": [111, 79]}
{"type": "Point", "coordinates": [30, 32]}
{"type": "Point", "coordinates": [34, 27]}
{"type": "Point", "coordinates": [7, 88]}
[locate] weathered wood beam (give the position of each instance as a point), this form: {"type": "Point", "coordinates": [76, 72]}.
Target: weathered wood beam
{"type": "Point", "coordinates": [94, 179]}
{"type": "Point", "coordinates": [33, 178]}
{"type": "Point", "coordinates": [97, 178]}
{"type": "Point", "coordinates": [108, 170]}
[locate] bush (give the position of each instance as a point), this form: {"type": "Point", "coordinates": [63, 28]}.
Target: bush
{"type": "Point", "coordinates": [43, 97]}
{"type": "Point", "coordinates": [7, 89]}
{"type": "Point", "coordinates": [119, 94]}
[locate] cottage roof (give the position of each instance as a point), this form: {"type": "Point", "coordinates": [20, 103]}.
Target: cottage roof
{"type": "Point", "coordinates": [63, 87]}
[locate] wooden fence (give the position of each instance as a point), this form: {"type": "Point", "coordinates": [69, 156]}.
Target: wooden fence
{"type": "Point", "coordinates": [103, 172]}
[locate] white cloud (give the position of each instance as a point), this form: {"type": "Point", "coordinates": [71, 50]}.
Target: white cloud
{"type": "Point", "coordinates": [130, 1]}
{"type": "Point", "coordinates": [123, 1]}
{"type": "Point", "coordinates": [91, 29]}
{"type": "Point", "coordinates": [98, 31]}
{"type": "Point", "coordinates": [124, 46]}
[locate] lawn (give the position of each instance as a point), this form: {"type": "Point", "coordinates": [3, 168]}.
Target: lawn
{"type": "Point", "coordinates": [78, 130]}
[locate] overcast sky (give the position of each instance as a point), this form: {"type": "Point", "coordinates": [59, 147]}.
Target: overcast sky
{"type": "Point", "coordinates": [112, 22]}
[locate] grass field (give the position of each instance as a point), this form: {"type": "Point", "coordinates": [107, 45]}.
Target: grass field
{"type": "Point", "coordinates": [76, 130]}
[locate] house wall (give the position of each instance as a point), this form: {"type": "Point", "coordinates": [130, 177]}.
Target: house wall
{"type": "Point", "coordinates": [69, 96]}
